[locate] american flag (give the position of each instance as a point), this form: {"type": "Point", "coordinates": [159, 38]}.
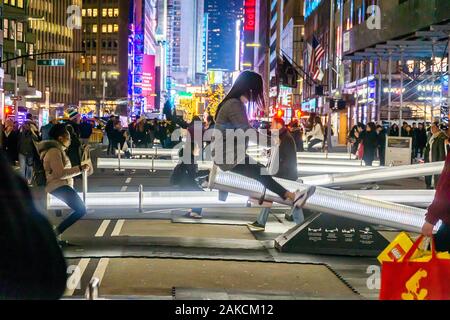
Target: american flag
{"type": "Point", "coordinates": [318, 50]}
{"type": "Point", "coordinates": [316, 53]}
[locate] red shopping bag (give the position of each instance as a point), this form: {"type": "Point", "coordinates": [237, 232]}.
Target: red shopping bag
{"type": "Point", "coordinates": [410, 280]}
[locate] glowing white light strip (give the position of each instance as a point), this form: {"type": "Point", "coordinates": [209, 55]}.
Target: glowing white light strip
{"type": "Point", "coordinates": [152, 164]}
{"type": "Point", "coordinates": [172, 199]}
{"type": "Point", "coordinates": [329, 201]}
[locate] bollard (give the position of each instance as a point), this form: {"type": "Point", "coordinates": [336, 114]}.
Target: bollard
{"type": "Point", "coordinates": [85, 185]}
{"type": "Point", "coordinates": [92, 289]}
{"type": "Point", "coordinates": [141, 198]}
{"type": "Point", "coordinates": [119, 158]}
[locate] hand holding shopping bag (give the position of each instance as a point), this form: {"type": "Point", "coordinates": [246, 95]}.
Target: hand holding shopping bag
{"type": "Point", "coordinates": [409, 279]}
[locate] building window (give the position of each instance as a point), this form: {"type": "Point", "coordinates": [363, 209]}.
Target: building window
{"type": "Point", "coordinates": [30, 78]}
{"type": "Point", "coordinates": [89, 12]}
{"type": "Point", "coordinates": [110, 12]}
{"type": "Point", "coordinates": [104, 12]}
{"type": "Point", "coordinates": [94, 28]}
{"type": "Point", "coordinates": [83, 12]}
{"type": "Point", "coordinates": [116, 12]}
{"type": "Point", "coordinates": [95, 12]}
{"type": "Point", "coordinates": [116, 28]}
{"type": "Point", "coordinates": [110, 60]}
{"type": "Point", "coordinates": [20, 3]}
{"type": "Point", "coordinates": [6, 28]}
{"type": "Point", "coordinates": [19, 31]}
{"type": "Point", "coordinates": [104, 28]}
{"type": "Point", "coordinates": [94, 59]}
{"type": "Point", "coordinates": [110, 28]}
{"type": "Point", "coordinates": [31, 50]}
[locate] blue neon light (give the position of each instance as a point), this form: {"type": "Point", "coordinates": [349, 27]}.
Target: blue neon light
{"type": "Point", "coordinates": [310, 6]}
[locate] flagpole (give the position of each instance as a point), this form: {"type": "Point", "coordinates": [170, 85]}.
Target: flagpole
{"type": "Point", "coordinates": [330, 73]}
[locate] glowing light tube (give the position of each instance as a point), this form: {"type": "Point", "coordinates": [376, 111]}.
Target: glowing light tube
{"type": "Point", "coordinates": [156, 164]}
{"type": "Point", "coordinates": [378, 174]}
{"type": "Point", "coordinates": [328, 201]}
{"type": "Point", "coordinates": [208, 199]}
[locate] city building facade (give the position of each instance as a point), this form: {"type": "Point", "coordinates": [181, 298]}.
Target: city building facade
{"type": "Point", "coordinates": [17, 34]}
{"type": "Point", "coordinates": [54, 31]}
{"type": "Point", "coordinates": [411, 87]}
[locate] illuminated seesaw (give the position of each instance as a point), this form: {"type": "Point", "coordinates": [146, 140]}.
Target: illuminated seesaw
{"type": "Point", "coordinates": [302, 157]}
{"type": "Point", "coordinates": [210, 199]}
{"type": "Point", "coordinates": [164, 165]}
{"type": "Point", "coordinates": [327, 201]}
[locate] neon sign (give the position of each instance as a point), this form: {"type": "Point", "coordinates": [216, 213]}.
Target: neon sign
{"type": "Point", "coordinates": [250, 15]}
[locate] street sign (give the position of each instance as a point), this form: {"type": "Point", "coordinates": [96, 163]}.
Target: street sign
{"type": "Point", "coordinates": [52, 62]}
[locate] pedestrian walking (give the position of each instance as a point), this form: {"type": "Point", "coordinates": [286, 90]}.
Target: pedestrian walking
{"type": "Point", "coordinates": [9, 142]}
{"type": "Point", "coordinates": [28, 136]}
{"type": "Point", "coordinates": [435, 151]}
{"type": "Point", "coordinates": [108, 130]}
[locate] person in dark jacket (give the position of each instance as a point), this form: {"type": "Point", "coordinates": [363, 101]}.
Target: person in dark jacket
{"type": "Point", "coordinates": [185, 174]}
{"type": "Point", "coordinates": [28, 136]}
{"type": "Point", "coordinates": [108, 130]}
{"type": "Point", "coordinates": [32, 266]}
{"type": "Point", "coordinates": [369, 139]}
{"type": "Point", "coordinates": [85, 131]}
{"type": "Point", "coordinates": [119, 136]}
{"type": "Point", "coordinates": [440, 210]}
{"type": "Point", "coordinates": [421, 141]}
{"type": "Point", "coordinates": [381, 132]}
{"type": "Point", "coordinates": [297, 134]}
{"type": "Point", "coordinates": [394, 131]}
{"type": "Point", "coordinates": [46, 129]}
{"type": "Point", "coordinates": [10, 141]}
{"type": "Point", "coordinates": [404, 129]}
{"type": "Point", "coordinates": [434, 152]}
{"type": "Point", "coordinates": [285, 168]}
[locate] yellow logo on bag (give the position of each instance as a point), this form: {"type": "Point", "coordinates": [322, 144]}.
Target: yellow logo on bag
{"type": "Point", "coordinates": [413, 286]}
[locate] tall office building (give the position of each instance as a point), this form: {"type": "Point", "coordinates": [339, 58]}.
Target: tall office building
{"type": "Point", "coordinates": [60, 85]}
{"type": "Point", "coordinates": [14, 24]}
{"type": "Point", "coordinates": [104, 68]}
{"type": "Point", "coordinates": [222, 17]}
{"type": "Point", "coordinates": [185, 34]}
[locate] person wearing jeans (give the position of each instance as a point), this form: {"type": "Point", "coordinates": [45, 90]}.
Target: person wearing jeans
{"type": "Point", "coordinates": [286, 152]}
{"type": "Point", "coordinates": [316, 134]}
{"type": "Point", "coordinates": [60, 174]}
{"type": "Point", "coordinates": [232, 121]}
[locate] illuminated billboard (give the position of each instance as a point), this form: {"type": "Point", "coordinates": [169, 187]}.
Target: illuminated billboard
{"type": "Point", "coordinates": [148, 82]}
{"type": "Point", "coordinates": [249, 15]}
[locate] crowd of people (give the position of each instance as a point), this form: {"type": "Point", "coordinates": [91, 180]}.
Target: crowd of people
{"type": "Point", "coordinates": [58, 151]}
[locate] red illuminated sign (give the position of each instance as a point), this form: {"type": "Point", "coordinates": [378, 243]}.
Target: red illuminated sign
{"type": "Point", "coordinates": [250, 15]}
{"type": "Point", "coordinates": [148, 81]}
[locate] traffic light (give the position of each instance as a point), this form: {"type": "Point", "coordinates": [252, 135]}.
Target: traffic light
{"type": "Point", "coordinates": [8, 111]}
{"type": "Point", "coordinates": [298, 114]}
{"type": "Point", "coordinates": [279, 113]}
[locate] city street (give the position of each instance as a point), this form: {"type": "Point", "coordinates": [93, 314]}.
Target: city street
{"type": "Point", "coordinates": [166, 256]}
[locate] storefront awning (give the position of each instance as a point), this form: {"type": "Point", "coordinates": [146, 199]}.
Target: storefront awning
{"type": "Point", "coordinates": [420, 45]}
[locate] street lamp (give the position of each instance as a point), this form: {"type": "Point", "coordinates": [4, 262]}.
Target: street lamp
{"type": "Point", "coordinates": [16, 85]}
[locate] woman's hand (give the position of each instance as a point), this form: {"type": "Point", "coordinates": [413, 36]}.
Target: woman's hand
{"type": "Point", "coordinates": [427, 229]}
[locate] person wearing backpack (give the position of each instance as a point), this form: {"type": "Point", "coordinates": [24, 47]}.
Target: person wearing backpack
{"type": "Point", "coordinates": [28, 135]}
{"type": "Point", "coordinates": [59, 174]}
{"type": "Point", "coordinates": [185, 174]}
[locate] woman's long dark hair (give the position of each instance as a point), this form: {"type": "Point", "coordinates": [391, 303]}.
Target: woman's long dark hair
{"type": "Point", "coordinates": [248, 84]}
